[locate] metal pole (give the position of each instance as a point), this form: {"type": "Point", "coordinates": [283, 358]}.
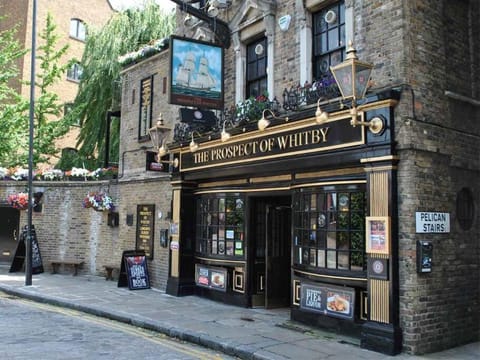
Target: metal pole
{"type": "Point", "coordinates": [28, 245]}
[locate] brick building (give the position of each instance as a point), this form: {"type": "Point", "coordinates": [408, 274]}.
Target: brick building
{"type": "Point", "coordinates": [371, 229]}
{"type": "Point", "coordinates": [72, 20]}
{"type": "Point", "coordinates": [301, 211]}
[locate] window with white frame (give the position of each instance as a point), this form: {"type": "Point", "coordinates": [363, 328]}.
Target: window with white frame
{"type": "Point", "coordinates": [256, 68]}
{"type": "Point", "coordinates": [328, 35]}
{"type": "Point", "coordinates": [75, 72]}
{"type": "Point", "coordinates": [78, 29]}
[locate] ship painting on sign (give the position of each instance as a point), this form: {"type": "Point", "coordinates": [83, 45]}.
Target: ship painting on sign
{"type": "Point", "coordinates": [196, 73]}
{"type": "Point", "coordinates": [192, 77]}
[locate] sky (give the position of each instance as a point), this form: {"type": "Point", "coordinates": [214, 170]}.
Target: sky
{"type": "Point", "coordinates": [167, 5]}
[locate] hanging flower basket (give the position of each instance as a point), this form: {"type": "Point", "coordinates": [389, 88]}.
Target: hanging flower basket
{"type": "Point", "coordinates": [18, 201]}
{"type": "Point", "coordinates": [98, 201]}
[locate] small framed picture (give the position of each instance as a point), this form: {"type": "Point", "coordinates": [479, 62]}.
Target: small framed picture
{"type": "Point", "coordinates": [378, 234]}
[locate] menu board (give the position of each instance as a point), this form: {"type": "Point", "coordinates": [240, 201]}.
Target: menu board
{"type": "Point", "coordinates": [328, 300]}
{"type": "Point", "coordinates": [137, 272]}
{"type": "Point", "coordinates": [211, 277]}
{"type": "Point", "coordinates": [145, 229]}
{"type": "Point", "coordinates": [20, 252]}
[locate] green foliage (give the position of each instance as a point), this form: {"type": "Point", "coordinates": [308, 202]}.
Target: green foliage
{"type": "Point", "coordinates": [124, 33]}
{"type": "Point", "coordinates": [73, 159]}
{"type": "Point", "coordinates": [48, 127]}
{"type": "Point", "coordinates": [48, 107]}
{"type": "Point", "coordinates": [12, 125]}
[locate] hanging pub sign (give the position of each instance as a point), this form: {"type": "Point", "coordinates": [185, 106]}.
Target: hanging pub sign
{"type": "Point", "coordinates": [196, 73]}
{"type": "Point", "coordinates": [328, 300]}
{"type": "Point", "coordinates": [145, 229]}
{"type": "Point", "coordinates": [211, 277]}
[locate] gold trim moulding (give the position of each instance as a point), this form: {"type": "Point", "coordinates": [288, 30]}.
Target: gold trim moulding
{"type": "Point", "coordinates": [380, 168]}
{"type": "Point", "coordinates": [338, 172]}
{"type": "Point", "coordinates": [270, 179]}
{"type": "Point", "coordinates": [221, 261]}
{"type": "Point", "coordinates": [323, 183]}
{"type": "Point", "coordinates": [378, 105]}
{"type": "Point", "coordinates": [329, 276]}
{"type": "Point", "coordinates": [380, 158]}
{"type": "Point", "coordinates": [286, 188]}
{"type": "Point", "coordinates": [223, 183]}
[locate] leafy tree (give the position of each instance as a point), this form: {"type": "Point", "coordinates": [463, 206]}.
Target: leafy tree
{"type": "Point", "coordinates": [12, 126]}
{"type": "Point", "coordinates": [48, 125]}
{"type": "Point", "coordinates": [100, 81]}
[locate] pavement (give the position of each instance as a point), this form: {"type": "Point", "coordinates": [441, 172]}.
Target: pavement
{"type": "Point", "coordinates": [247, 333]}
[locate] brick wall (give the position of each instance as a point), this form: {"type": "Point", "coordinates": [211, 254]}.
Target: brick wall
{"type": "Point", "coordinates": [438, 144]}
{"type": "Point", "coordinates": [67, 230]}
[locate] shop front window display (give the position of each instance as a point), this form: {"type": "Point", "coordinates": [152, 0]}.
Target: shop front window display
{"type": "Point", "coordinates": [220, 226]}
{"type": "Point", "coordinates": [329, 229]}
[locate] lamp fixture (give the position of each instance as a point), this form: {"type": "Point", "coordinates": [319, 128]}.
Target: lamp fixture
{"type": "Point", "coordinates": [212, 10]}
{"type": "Point", "coordinates": [188, 21]}
{"type": "Point", "coordinates": [263, 123]}
{"type": "Point", "coordinates": [158, 136]}
{"type": "Point", "coordinates": [320, 115]}
{"type": "Point", "coordinates": [352, 77]}
{"type": "Point", "coordinates": [193, 144]}
{"type": "Point", "coordinates": [225, 135]}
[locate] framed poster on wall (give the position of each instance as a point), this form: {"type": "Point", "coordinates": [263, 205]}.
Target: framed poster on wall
{"type": "Point", "coordinates": [378, 234]}
{"type": "Point", "coordinates": [196, 73]}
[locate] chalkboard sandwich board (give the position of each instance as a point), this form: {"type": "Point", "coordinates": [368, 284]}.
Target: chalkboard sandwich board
{"type": "Point", "coordinates": [20, 253]}
{"type": "Point", "coordinates": [134, 270]}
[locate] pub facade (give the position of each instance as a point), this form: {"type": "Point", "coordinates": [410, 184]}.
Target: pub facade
{"type": "Point", "coordinates": [351, 206]}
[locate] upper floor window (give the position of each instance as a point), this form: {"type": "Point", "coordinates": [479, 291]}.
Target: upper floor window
{"type": "Point", "coordinates": [78, 29]}
{"type": "Point", "coordinates": [329, 228]}
{"type": "Point", "coordinates": [75, 72]}
{"type": "Point", "coordinates": [256, 68]}
{"type": "Point", "coordinates": [328, 39]}
{"type": "Point", "coordinates": [146, 99]}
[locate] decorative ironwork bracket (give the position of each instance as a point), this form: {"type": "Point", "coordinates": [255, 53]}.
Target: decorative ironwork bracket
{"type": "Point", "coordinates": [219, 27]}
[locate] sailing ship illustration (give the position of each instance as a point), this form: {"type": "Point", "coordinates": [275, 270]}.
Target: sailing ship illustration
{"type": "Point", "coordinates": [191, 77]}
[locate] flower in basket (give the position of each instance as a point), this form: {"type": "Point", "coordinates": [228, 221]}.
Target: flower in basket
{"type": "Point", "coordinates": [52, 174]}
{"type": "Point", "coordinates": [98, 201]}
{"type": "Point", "coordinates": [18, 200]}
{"type": "Point", "coordinates": [79, 172]}
{"type": "Point", "coordinates": [3, 173]}
{"type": "Point", "coordinates": [20, 174]}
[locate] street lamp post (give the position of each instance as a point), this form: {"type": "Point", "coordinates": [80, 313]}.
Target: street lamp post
{"type": "Point", "coordinates": [28, 245]}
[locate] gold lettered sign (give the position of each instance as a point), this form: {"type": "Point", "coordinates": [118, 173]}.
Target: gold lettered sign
{"type": "Point", "coordinates": [309, 137]}
{"type": "Point", "coordinates": [145, 229]}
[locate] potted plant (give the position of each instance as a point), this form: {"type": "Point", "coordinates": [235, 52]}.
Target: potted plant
{"type": "Point", "coordinates": [18, 200]}
{"type": "Point", "coordinates": [98, 201]}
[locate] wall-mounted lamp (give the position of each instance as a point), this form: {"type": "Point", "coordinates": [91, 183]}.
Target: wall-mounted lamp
{"type": "Point", "coordinates": [352, 77]}
{"type": "Point", "coordinates": [225, 135]}
{"type": "Point", "coordinates": [320, 115]}
{"type": "Point", "coordinates": [193, 144]}
{"type": "Point", "coordinates": [263, 123]}
{"type": "Point", "coordinates": [158, 136]}
{"type": "Point", "coordinates": [188, 21]}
